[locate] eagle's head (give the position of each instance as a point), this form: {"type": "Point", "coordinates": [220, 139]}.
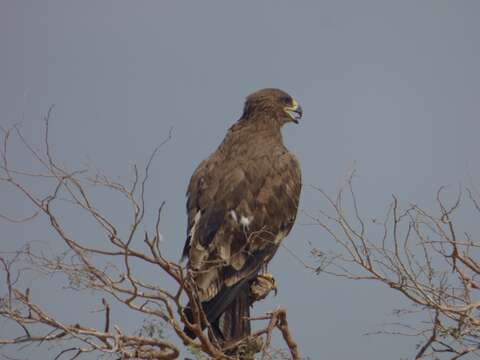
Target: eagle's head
{"type": "Point", "coordinates": [272, 103]}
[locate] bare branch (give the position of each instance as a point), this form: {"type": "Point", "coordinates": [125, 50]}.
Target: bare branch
{"type": "Point", "coordinates": [418, 254]}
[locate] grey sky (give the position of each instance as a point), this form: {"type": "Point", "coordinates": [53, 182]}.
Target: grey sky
{"type": "Point", "coordinates": [392, 86]}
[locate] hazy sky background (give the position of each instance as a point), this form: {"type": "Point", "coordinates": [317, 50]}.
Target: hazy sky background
{"type": "Point", "coordinates": [390, 86]}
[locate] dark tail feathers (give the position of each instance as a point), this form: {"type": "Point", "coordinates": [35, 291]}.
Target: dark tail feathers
{"type": "Point", "coordinates": [233, 299]}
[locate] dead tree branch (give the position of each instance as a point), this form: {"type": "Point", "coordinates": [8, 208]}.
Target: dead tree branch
{"type": "Point", "coordinates": [418, 254]}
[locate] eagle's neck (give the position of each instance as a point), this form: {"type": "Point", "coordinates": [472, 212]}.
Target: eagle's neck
{"type": "Point", "coordinates": [261, 134]}
{"type": "Point", "coordinates": [264, 126]}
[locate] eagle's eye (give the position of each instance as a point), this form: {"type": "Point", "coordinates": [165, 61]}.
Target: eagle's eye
{"type": "Point", "coordinates": [286, 100]}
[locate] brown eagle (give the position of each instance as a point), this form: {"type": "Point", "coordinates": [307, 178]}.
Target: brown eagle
{"type": "Point", "coordinates": [242, 201]}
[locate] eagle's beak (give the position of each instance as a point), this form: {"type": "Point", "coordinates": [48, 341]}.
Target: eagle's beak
{"type": "Point", "coordinates": [295, 111]}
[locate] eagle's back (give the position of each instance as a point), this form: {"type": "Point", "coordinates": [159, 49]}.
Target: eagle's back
{"type": "Point", "coordinates": [242, 201]}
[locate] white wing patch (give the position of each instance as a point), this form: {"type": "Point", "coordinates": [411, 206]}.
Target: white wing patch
{"type": "Point", "coordinates": [233, 214]}
{"type": "Point", "coordinates": [197, 253]}
{"type": "Point", "coordinates": [245, 221]}
{"type": "Point", "coordinates": [191, 234]}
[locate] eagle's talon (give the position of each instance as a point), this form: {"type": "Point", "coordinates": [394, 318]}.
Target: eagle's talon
{"type": "Point", "coordinates": [262, 286]}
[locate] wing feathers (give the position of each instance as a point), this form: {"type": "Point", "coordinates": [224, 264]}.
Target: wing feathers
{"type": "Point", "coordinates": [242, 202]}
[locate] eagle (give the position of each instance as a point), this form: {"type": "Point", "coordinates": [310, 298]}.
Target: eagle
{"type": "Point", "coordinates": [242, 202]}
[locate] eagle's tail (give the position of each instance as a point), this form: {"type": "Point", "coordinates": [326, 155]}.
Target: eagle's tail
{"type": "Point", "coordinates": [234, 323]}
{"type": "Point", "coordinates": [227, 312]}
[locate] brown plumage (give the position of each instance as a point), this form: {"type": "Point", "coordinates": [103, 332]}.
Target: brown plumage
{"type": "Point", "coordinates": [242, 202]}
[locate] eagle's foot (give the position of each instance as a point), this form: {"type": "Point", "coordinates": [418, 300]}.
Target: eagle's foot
{"type": "Point", "coordinates": [262, 286]}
